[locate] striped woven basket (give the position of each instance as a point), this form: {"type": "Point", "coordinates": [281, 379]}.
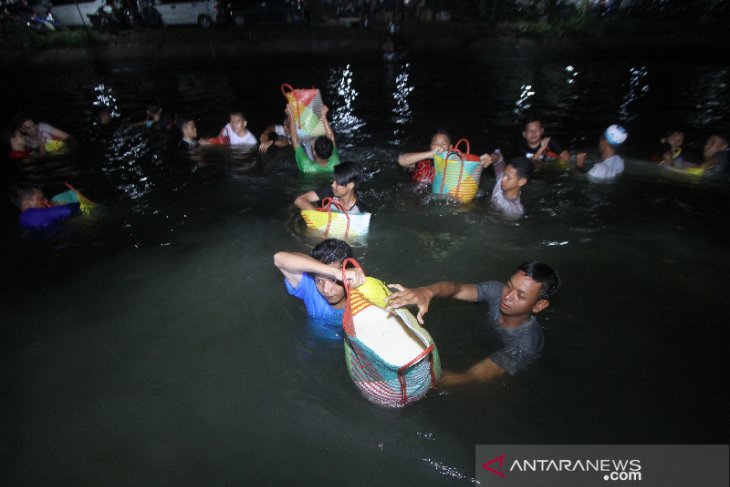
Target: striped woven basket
{"type": "Point", "coordinates": [336, 224]}
{"type": "Point", "coordinates": [457, 173]}
{"type": "Point", "coordinates": [306, 110]}
{"type": "Point", "coordinates": [391, 359]}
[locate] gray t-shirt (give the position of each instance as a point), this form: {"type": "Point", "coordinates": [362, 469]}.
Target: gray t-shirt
{"type": "Point", "coordinates": [510, 208]}
{"type": "Point", "coordinates": [519, 346]}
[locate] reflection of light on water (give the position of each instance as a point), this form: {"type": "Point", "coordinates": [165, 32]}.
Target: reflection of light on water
{"type": "Point", "coordinates": [105, 98]}
{"type": "Point", "coordinates": [708, 99]}
{"type": "Point", "coordinates": [523, 102]}
{"type": "Point", "coordinates": [403, 88]}
{"type": "Point", "coordinates": [572, 74]}
{"type": "Point", "coordinates": [342, 115]}
{"type": "Point", "coordinates": [638, 87]}
{"type": "Point", "coordinates": [122, 160]}
{"type": "Point", "coordinates": [447, 471]}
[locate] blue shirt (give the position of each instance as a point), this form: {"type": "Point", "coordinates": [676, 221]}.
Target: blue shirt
{"type": "Point", "coordinates": [44, 217]}
{"type": "Point", "coordinates": [317, 306]}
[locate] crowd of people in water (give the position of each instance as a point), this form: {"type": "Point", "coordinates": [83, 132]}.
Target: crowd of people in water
{"type": "Point", "coordinates": [316, 278]}
{"type": "Point", "coordinates": [31, 139]}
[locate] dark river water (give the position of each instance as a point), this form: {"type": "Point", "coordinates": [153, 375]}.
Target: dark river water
{"type": "Point", "coordinates": [155, 344]}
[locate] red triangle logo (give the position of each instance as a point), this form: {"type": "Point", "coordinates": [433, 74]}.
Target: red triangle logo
{"type": "Point", "coordinates": [500, 460]}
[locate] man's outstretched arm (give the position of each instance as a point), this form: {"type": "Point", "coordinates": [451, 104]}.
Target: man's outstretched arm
{"type": "Point", "coordinates": [479, 373]}
{"type": "Point", "coordinates": [422, 296]}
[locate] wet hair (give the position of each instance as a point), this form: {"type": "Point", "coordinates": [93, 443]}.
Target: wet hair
{"type": "Point", "coordinates": [323, 147]}
{"type": "Point", "coordinates": [441, 132]}
{"type": "Point", "coordinates": [529, 120]}
{"type": "Point", "coordinates": [331, 251]}
{"type": "Point", "coordinates": [348, 172]}
{"type": "Point", "coordinates": [8, 134]}
{"type": "Point", "coordinates": [183, 120]}
{"type": "Point", "coordinates": [673, 131]}
{"type": "Point", "coordinates": [544, 274]}
{"type": "Point", "coordinates": [23, 117]}
{"type": "Point", "coordinates": [523, 166]}
{"type": "Point", "coordinates": [20, 192]}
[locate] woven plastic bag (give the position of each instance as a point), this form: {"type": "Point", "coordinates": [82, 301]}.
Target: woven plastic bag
{"type": "Point", "coordinates": [74, 196]}
{"type": "Point", "coordinates": [306, 110]}
{"type": "Point", "coordinates": [389, 356]}
{"type": "Point", "coordinates": [336, 224]}
{"type": "Point", "coordinates": [457, 173]}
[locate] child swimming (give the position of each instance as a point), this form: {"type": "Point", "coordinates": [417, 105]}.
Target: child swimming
{"type": "Point", "coordinates": [611, 164]}
{"type": "Point", "coordinates": [675, 156]}
{"type": "Point", "coordinates": [36, 211]}
{"type": "Point", "coordinates": [421, 163]}
{"type": "Point", "coordinates": [236, 132]}
{"type": "Point", "coordinates": [325, 153]}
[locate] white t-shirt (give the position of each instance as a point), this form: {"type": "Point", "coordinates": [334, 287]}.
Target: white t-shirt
{"type": "Point", "coordinates": [608, 169]}
{"type": "Point", "coordinates": [235, 139]}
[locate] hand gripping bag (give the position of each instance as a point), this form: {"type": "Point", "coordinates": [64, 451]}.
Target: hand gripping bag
{"type": "Point", "coordinates": [306, 110]}
{"type": "Point", "coordinates": [391, 359]}
{"type": "Point", "coordinates": [457, 173]}
{"type": "Point", "coordinates": [336, 224]}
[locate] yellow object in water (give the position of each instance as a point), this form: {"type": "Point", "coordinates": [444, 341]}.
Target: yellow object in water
{"type": "Point", "coordinates": [687, 171]}
{"type": "Point", "coordinates": [375, 291]}
{"type": "Point", "coordinates": [337, 225]}
{"type": "Point", "coordinates": [55, 145]}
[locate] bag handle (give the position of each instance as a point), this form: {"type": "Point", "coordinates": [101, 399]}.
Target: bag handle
{"type": "Point", "coordinates": [327, 204]}
{"type": "Point", "coordinates": [348, 323]}
{"type": "Point", "coordinates": [458, 153]}
{"type": "Point", "coordinates": [288, 86]}
{"type": "Point", "coordinates": [402, 371]}
{"type": "Point", "coordinates": [465, 141]}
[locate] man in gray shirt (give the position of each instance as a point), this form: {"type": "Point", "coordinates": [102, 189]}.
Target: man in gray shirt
{"type": "Point", "coordinates": [511, 313]}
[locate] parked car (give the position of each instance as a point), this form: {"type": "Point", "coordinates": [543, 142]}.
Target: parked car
{"type": "Point", "coordinates": [242, 12]}
{"type": "Point", "coordinates": [186, 12]}
{"type": "Point", "coordinates": [74, 13]}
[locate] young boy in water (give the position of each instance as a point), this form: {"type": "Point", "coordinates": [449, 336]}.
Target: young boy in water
{"type": "Point", "coordinates": [36, 211]}
{"type": "Point", "coordinates": [18, 147]}
{"type": "Point", "coordinates": [315, 278]}
{"type": "Point", "coordinates": [716, 155]}
{"type": "Point", "coordinates": [37, 135]}
{"type": "Point", "coordinates": [189, 133]}
{"type": "Point", "coordinates": [421, 163]}
{"type": "Point", "coordinates": [236, 132]}
{"type": "Point", "coordinates": [325, 152]}
{"type": "Point", "coordinates": [611, 164]}
{"type": "Point", "coordinates": [512, 310]}
{"type": "Point", "coordinates": [275, 136]}
{"type": "Point", "coordinates": [511, 177]}
{"type": "Point", "coordinates": [347, 178]}
{"type": "Point", "coordinates": [536, 147]}
{"type": "Point", "coordinates": [675, 156]}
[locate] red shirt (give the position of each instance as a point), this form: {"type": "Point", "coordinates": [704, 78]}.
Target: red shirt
{"type": "Point", "coordinates": [424, 172]}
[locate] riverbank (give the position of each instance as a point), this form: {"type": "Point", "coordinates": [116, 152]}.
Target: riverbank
{"type": "Point", "coordinates": [165, 46]}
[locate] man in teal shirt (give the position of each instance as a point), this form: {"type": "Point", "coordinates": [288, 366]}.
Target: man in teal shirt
{"type": "Point", "coordinates": [325, 152]}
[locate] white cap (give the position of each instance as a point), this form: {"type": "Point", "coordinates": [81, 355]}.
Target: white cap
{"type": "Point", "coordinates": [615, 135]}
